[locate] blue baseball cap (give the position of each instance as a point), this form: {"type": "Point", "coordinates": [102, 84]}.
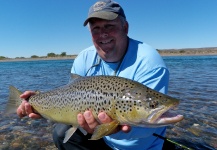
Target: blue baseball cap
{"type": "Point", "coordinates": [105, 9]}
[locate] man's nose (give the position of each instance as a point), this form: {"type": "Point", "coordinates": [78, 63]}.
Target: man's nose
{"type": "Point", "coordinates": [103, 32]}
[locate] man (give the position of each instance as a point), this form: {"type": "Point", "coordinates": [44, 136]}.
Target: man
{"type": "Point", "coordinates": [113, 53]}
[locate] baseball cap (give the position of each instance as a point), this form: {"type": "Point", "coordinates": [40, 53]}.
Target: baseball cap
{"type": "Point", "coordinates": [105, 9]}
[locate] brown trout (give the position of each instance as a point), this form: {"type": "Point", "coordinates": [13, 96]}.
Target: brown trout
{"type": "Point", "coordinates": [124, 100]}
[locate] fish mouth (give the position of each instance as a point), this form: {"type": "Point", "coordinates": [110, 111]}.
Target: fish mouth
{"type": "Point", "coordinates": [164, 116]}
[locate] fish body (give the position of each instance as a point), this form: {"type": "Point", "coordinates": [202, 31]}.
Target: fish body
{"type": "Point", "coordinates": [125, 101]}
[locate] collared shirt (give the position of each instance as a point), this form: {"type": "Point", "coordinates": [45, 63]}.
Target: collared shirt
{"type": "Point", "coordinates": [141, 63]}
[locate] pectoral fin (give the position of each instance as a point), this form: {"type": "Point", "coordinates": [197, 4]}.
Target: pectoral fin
{"type": "Point", "coordinates": [69, 133]}
{"type": "Point", "coordinates": [82, 130]}
{"type": "Point", "coordinates": [104, 129]}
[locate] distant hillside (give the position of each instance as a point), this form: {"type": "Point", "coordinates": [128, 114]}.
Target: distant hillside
{"type": "Point", "coordinates": [189, 51]}
{"type": "Point", "coordinates": [163, 52]}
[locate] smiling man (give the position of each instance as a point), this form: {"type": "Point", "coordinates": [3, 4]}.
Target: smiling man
{"type": "Point", "coordinates": [112, 53]}
{"type": "Point", "coordinates": [109, 38]}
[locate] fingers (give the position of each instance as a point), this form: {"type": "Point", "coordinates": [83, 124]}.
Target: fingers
{"type": "Point", "coordinates": [87, 121]}
{"type": "Point", "coordinates": [34, 116]}
{"type": "Point", "coordinates": [27, 94]}
{"type": "Point", "coordinates": [30, 113]}
{"type": "Point", "coordinates": [125, 128]}
{"type": "Point", "coordinates": [25, 108]}
{"type": "Point", "coordinates": [104, 118]}
{"type": "Point", "coordinates": [21, 111]}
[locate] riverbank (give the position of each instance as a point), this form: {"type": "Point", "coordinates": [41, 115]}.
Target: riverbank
{"type": "Point", "coordinates": [162, 52]}
{"type": "Point", "coordinates": [189, 52]}
{"type": "Point", "coordinates": [36, 59]}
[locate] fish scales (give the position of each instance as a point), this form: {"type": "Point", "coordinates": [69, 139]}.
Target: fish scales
{"type": "Point", "coordinates": [91, 93]}
{"type": "Point", "coordinates": [126, 101]}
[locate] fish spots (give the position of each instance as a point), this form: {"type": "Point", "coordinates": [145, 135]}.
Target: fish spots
{"type": "Point", "coordinates": [114, 95]}
{"type": "Point", "coordinates": [105, 102]}
{"type": "Point", "coordinates": [124, 106]}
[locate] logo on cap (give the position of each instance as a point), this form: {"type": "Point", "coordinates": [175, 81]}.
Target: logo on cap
{"type": "Point", "coordinates": [99, 6]}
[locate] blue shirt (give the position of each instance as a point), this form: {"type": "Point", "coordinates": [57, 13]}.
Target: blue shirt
{"type": "Point", "coordinates": [141, 63]}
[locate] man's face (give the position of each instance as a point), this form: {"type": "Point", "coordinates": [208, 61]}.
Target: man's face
{"type": "Point", "coordinates": [109, 38]}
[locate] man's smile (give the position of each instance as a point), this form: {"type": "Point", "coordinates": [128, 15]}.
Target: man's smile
{"type": "Point", "coordinates": [106, 41]}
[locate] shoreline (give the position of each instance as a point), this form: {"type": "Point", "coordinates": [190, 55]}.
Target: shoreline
{"type": "Point", "coordinates": [36, 59]}
{"type": "Point", "coordinates": [161, 52]}
{"type": "Point", "coordinates": [190, 54]}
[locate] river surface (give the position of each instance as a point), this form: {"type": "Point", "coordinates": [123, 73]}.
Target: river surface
{"type": "Point", "coordinates": [193, 80]}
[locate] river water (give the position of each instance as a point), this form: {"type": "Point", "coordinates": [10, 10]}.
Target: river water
{"type": "Point", "coordinates": [193, 80]}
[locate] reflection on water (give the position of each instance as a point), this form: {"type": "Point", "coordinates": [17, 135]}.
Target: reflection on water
{"type": "Point", "coordinates": [192, 80]}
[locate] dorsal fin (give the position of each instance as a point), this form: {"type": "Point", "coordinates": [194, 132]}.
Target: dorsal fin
{"type": "Point", "coordinates": [73, 77]}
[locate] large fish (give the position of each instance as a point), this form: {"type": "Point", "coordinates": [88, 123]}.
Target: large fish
{"type": "Point", "coordinates": [125, 101]}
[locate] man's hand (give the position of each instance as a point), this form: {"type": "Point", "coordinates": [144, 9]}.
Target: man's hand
{"type": "Point", "coordinates": [88, 122]}
{"type": "Point", "coordinates": [25, 109]}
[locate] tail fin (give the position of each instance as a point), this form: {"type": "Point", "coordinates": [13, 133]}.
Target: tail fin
{"type": "Point", "coordinates": [14, 100]}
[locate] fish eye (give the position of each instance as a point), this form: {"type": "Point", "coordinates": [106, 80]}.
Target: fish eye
{"type": "Point", "coordinates": [153, 104]}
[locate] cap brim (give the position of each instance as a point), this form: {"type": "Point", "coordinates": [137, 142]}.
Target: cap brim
{"type": "Point", "coordinates": [102, 15]}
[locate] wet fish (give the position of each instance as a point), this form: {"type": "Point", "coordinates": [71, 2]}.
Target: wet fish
{"type": "Point", "coordinates": [126, 101]}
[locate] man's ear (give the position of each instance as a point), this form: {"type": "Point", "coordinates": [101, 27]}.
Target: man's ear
{"type": "Point", "coordinates": [126, 27]}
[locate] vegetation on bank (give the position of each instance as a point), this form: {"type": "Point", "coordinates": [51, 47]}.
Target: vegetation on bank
{"type": "Point", "coordinates": [2, 57]}
{"type": "Point", "coordinates": [188, 51]}
{"type": "Point", "coordinates": [163, 52]}
{"type": "Point", "coordinates": [49, 55]}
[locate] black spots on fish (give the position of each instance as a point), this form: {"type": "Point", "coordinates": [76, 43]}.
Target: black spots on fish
{"type": "Point", "coordinates": [126, 85]}
{"type": "Point", "coordinates": [153, 104]}
{"type": "Point", "coordinates": [147, 90]}
{"type": "Point", "coordinates": [138, 93]}
{"type": "Point", "coordinates": [137, 104]}
{"type": "Point", "coordinates": [129, 85]}
{"type": "Point", "coordinates": [102, 105]}
{"type": "Point", "coordinates": [105, 93]}
{"type": "Point", "coordinates": [122, 90]}
{"type": "Point", "coordinates": [105, 102]}
{"type": "Point", "coordinates": [124, 106]}
{"type": "Point", "coordinates": [92, 91]}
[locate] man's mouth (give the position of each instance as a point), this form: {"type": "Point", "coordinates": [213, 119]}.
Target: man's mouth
{"type": "Point", "coordinates": [106, 41]}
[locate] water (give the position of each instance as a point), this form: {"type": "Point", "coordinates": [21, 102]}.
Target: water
{"type": "Point", "coordinates": [25, 133]}
{"type": "Point", "coordinates": [193, 79]}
